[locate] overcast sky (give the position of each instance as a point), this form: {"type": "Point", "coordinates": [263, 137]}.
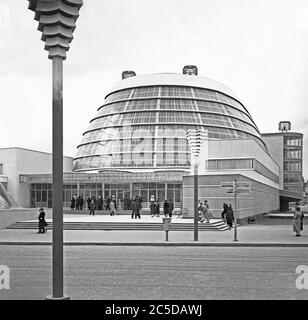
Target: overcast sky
{"type": "Point", "coordinates": [259, 48]}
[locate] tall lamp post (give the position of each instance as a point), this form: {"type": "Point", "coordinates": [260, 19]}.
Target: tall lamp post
{"type": "Point", "coordinates": [57, 22]}
{"type": "Point", "coordinates": [194, 138]}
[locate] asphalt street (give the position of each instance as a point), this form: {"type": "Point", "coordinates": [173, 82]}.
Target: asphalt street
{"type": "Point", "coordinates": [148, 273]}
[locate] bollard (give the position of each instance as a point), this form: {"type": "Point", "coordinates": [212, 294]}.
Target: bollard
{"type": "Point", "coordinates": [167, 223]}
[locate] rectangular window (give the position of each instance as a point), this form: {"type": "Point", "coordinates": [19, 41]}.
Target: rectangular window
{"type": "Point", "coordinates": [1, 168]}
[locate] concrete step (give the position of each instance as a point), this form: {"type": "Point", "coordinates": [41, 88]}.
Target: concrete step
{"type": "Point", "coordinates": [123, 226]}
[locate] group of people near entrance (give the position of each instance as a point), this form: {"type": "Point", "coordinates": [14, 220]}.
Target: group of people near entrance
{"type": "Point", "coordinates": [110, 204]}
{"type": "Point", "coordinates": [168, 207]}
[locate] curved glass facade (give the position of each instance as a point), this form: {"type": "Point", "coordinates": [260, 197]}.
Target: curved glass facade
{"type": "Point", "coordinates": [144, 127]}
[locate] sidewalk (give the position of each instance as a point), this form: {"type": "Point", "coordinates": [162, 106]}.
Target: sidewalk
{"type": "Point", "coordinates": [248, 235]}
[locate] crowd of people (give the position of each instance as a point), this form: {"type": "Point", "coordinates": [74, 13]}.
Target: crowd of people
{"type": "Point", "coordinates": [168, 207]}
{"type": "Point", "coordinates": [205, 214]}
{"type": "Point", "coordinates": [112, 205]}
{"type": "Point", "coordinates": [92, 203]}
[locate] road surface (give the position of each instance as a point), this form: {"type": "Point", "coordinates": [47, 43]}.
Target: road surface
{"type": "Point", "coordinates": [148, 273]}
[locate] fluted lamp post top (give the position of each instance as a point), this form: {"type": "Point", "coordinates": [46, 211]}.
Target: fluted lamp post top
{"type": "Point", "coordinates": [57, 22]}
{"type": "Point", "coordinates": [195, 138]}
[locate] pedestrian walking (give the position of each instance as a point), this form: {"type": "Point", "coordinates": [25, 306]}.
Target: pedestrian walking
{"type": "Point", "coordinates": [157, 209]}
{"type": "Point", "coordinates": [134, 208]}
{"type": "Point", "coordinates": [42, 224]}
{"type": "Point", "coordinates": [73, 203]}
{"type": "Point", "coordinates": [81, 202]}
{"type": "Point", "coordinates": [92, 207]}
{"type": "Point", "coordinates": [206, 211]}
{"type": "Point", "coordinates": [112, 208]}
{"type": "Point", "coordinates": [302, 221]}
{"type": "Point", "coordinates": [166, 208]}
{"type": "Point", "coordinates": [297, 222]}
{"type": "Point", "coordinates": [224, 212]}
{"type": "Point", "coordinates": [89, 203]}
{"type": "Point", "coordinates": [170, 208]}
{"type": "Point", "coordinates": [201, 209]}
{"type": "Point", "coordinates": [230, 216]}
{"type": "Point", "coordinates": [139, 206]}
{"type": "Point", "coordinates": [99, 203]}
{"type": "Point", "coordinates": [153, 208]}
{"type": "Point", "coordinates": [78, 203]}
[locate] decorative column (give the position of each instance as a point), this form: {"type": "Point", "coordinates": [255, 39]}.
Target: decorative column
{"type": "Point", "coordinates": [194, 138]}
{"type": "Point", "coordinates": [57, 22]}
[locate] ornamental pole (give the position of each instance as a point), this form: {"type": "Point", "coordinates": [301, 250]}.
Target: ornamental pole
{"type": "Point", "coordinates": [57, 22]}
{"type": "Point", "coordinates": [195, 138]}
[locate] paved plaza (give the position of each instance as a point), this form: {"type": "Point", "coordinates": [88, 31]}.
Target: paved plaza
{"type": "Point", "coordinates": [264, 232]}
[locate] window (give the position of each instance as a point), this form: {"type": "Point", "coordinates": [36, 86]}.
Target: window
{"type": "Point", "coordinates": [1, 168]}
{"type": "Point", "coordinates": [292, 166]}
{"type": "Point", "coordinates": [145, 92]}
{"type": "Point", "coordinates": [120, 95]}
{"type": "Point", "coordinates": [292, 154]}
{"type": "Point", "coordinates": [171, 91]}
{"type": "Point", "coordinates": [292, 141]}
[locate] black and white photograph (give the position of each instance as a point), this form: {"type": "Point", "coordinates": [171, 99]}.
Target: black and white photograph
{"type": "Point", "coordinates": [153, 153]}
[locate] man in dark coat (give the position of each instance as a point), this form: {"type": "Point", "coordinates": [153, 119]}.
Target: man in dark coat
{"type": "Point", "coordinates": [42, 222]}
{"type": "Point", "coordinates": [81, 203]}
{"type": "Point", "coordinates": [170, 208]}
{"type": "Point", "coordinates": [166, 208]}
{"type": "Point", "coordinates": [73, 203]}
{"type": "Point", "coordinates": [89, 203]}
{"type": "Point", "coordinates": [134, 209]}
{"type": "Point", "coordinates": [99, 203]}
{"type": "Point", "coordinates": [225, 209]}
{"type": "Point", "coordinates": [230, 216]}
{"type": "Point", "coordinates": [157, 208]}
{"type": "Point", "coordinates": [139, 206]}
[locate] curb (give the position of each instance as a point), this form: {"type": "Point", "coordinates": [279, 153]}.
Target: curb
{"type": "Point", "coordinates": [159, 244]}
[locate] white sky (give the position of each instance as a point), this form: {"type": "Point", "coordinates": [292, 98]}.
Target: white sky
{"type": "Point", "coordinates": [259, 48]}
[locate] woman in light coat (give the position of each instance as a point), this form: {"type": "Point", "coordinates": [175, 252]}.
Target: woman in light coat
{"type": "Point", "coordinates": [297, 222]}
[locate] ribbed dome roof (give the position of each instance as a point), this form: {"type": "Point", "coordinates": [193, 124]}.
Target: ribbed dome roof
{"type": "Point", "coordinates": [143, 121]}
{"type": "Point", "coordinates": [174, 79]}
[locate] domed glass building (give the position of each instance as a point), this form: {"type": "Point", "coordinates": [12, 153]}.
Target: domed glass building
{"type": "Point", "coordinates": [142, 123]}
{"type": "Point", "coordinates": [137, 146]}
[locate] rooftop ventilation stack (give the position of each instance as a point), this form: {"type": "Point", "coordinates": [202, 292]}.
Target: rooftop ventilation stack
{"type": "Point", "coordinates": [190, 70]}
{"type": "Point", "coordinates": [128, 74]}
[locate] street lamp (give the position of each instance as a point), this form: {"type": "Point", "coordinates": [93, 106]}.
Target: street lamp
{"type": "Point", "coordinates": [194, 138]}
{"type": "Point", "coordinates": [57, 22]}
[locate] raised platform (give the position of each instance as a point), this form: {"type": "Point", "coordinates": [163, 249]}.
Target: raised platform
{"type": "Point", "coordinates": [122, 222]}
{"type": "Point", "coordinates": [287, 215]}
